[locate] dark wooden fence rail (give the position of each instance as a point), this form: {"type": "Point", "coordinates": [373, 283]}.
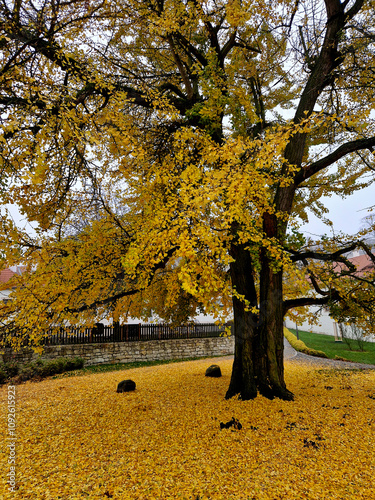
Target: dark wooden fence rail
{"type": "Point", "coordinates": [131, 333]}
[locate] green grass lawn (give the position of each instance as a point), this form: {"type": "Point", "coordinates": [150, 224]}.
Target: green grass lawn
{"type": "Point", "coordinates": [327, 344]}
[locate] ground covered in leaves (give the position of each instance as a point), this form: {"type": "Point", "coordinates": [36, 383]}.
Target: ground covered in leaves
{"type": "Point", "coordinates": [79, 439]}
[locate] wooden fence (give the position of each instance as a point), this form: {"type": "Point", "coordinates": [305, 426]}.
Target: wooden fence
{"type": "Point", "coordinates": [131, 333]}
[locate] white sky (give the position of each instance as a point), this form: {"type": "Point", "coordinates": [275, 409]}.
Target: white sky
{"type": "Point", "coordinates": [346, 214]}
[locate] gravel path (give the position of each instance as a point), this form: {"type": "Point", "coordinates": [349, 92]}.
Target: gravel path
{"type": "Point", "coordinates": [298, 357]}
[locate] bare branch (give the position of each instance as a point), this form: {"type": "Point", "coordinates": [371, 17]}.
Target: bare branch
{"type": "Point", "coordinates": [332, 257]}
{"type": "Point", "coordinates": [124, 293]}
{"type": "Point", "coordinates": [345, 149]}
{"type": "Point", "coordinates": [310, 301]}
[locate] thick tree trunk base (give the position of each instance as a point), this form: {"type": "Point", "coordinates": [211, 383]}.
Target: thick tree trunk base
{"type": "Point", "coordinates": [272, 392]}
{"type": "Point", "coordinates": [242, 381]}
{"type": "Point", "coordinates": [250, 378]}
{"type": "Point", "coordinates": [245, 392]}
{"type": "Point", "coordinates": [258, 365]}
{"type": "Point", "coordinates": [251, 392]}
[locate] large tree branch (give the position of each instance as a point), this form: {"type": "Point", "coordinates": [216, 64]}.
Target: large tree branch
{"type": "Point", "coordinates": [332, 294]}
{"type": "Point", "coordinates": [124, 293]}
{"type": "Point", "coordinates": [189, 49]}
{"type": "Point", "coordinates": [53, 52]}
{"type": "Point", "coordinates": [310, 301]}
{"type": "Point", "coordinates": [315, 283]}
{"type": "Point", "coordinates": [93, 83]}
{"type": "Point", "coordinates": [345, 149]}
{"type": "Point", "coordinates": [327, 60]}
{"type": "Point", "coordinates": [333, 257]}
{"type": "Point", "coordinates": [231, 42]}
{"type": "Point", "coordinates": [368, 251]}
{"type": "Point", "coordinates": [103, 302]}
{"type": "Point", "coordinates": [354, 9]}
{"type": "Point", "coordinates": [244, 45]}
{"type": "Point", "coordinates": [181, 68]}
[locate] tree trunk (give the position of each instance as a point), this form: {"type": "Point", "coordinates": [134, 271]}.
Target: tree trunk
{"type": "Point", "coordinates": [243, 379]}
{"type": "Point", "coordinates": [269, 345]}
{"type": "Point", "coordinates": [259, 339]}
{"type": "Point", "coordinates": [269, 348]}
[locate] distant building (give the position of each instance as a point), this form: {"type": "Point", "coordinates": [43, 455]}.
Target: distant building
{"type": "Point", "coordinates": [326, 325]}
{"type": "Point", "coordinates": [5, 276]}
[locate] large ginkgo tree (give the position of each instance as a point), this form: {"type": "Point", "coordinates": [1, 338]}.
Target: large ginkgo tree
{"type": "Point", "coordinates": [165, 153]}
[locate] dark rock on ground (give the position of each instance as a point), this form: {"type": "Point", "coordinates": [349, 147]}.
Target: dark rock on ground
{"type": "Point", "coordinates": [213, 371]}
{"type": "Point", "coordinates": [126, 386]}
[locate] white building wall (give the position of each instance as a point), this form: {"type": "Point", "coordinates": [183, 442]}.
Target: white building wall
{"type": "Point", "coordinates": [4, 294]}
{"type": "Point", "coordinates": [325, 325]}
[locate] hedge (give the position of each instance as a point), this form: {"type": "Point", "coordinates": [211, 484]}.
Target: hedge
{"type": "Point", "coordinates": [300, 346]}
{"type": "Point", "coordinates": [38, 369]}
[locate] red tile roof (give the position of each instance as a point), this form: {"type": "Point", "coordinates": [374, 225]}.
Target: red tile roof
{"type": "Point", "coordinates": [6, 275]}
{"type": "Point", "coordinates": [363, 263]}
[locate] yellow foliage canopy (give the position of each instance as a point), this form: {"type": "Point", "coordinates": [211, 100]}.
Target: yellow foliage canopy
{"type": "Point", "coordinates": [149, 140]}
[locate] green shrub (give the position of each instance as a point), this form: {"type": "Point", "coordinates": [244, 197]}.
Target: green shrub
{"type": "Point", "coordinates": [69, 365]}
{"type": "Point", "coordinates": [27, 372]}
{"type": "Point", "coordinates": [80, 362]}
{"type": "Point", "coordinates": [3, 375]}
{"type": "Point", "coordinates": [300, 346]}
{"type": "Point", "coordinates": [11, 368]}
{"type": "Point", "coordinates": [74, 364]}
{"type": "Point", "coordinates": [39, 369]}
{"type": "Point", "coordinates": [60, 365]}
{"type": "Point", "coordinates": [55, 366]}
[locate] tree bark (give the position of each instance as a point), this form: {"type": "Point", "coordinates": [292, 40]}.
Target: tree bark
{"type": "Point", "coordinates": [267, 349]}
{"type": "Point", "coordinates": [259, 349]}
{"type": "Point", "coordinates": [269, 360]}
{"type": "Point", "coordinates": [245, 325]}
{"type": "Point", "coordinates": [269, 345]}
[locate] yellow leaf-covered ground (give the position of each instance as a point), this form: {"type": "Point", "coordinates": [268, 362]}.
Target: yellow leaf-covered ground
{"type": "Point", "coordinates": [79, 439]}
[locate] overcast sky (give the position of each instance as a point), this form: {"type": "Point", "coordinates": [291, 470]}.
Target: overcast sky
{"type": "Point", "coordinates": [346, 214]}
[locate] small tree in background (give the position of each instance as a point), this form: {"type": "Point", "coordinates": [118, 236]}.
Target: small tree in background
{"type": "Point", "coordinates": [351, 333]}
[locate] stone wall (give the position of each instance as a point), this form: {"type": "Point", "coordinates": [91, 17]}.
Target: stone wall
{"type": "Point", "coordinates": [126, 352]}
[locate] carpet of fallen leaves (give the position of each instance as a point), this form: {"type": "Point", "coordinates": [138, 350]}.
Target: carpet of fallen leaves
{"type": "Point", "coordinates": [79, 439]}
